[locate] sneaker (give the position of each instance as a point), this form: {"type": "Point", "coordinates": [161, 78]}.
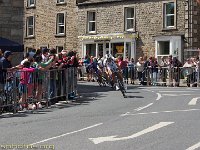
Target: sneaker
{"type": "Point", "coordinates": [34, 107]}
{"type": "Point", "coordinates": [30, 106]}
{"type": "Point", "coordinates": [117, 88]}
{"type": "Point", "coordinates": [39, 106]}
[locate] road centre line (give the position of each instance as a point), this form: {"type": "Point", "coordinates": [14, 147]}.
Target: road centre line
{"type": "Point", "coordinates": [176, 94]}
{"type": "Point", "coordinates": [141, 108]}
{"type": "Point", "coordinates": [170, 111]}
{"type": "Point", "coordinates": [174, 91]}
{"type": "Point", "coordinates": [69, 133]}
{"type": "Point", "coordinates": [194, 146]}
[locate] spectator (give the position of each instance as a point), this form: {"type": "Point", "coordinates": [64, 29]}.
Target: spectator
{"type": "Point", "coordinates": [123, 66]}
{"type": "Point", "coordinates": [1, 54]}
{"type": "Point", "coordinates": [131, 67]}
{"type": "Point", "coordinates": [28, 57]}
{"type": "Point", "coordinates": [153, 65]}
{"type": "Point", "coordinates": [188, 71]}
{"type": "Point", "coordinates": [45, 54]}
{"type": "Point", "coordinates": [40, 75]}
{"type": "Point", "coordinates": [176, 68]}
{"type": "Point", "coordinates": [86, 63]}
{"type": "Point", "coordinates": [140, 68]}
{"type": "Point", "coordinates": [163, 71]}
{"type": "Point", "coordinates": [24, 87]}
{"type": "Point", "coordinates": [145, 73]}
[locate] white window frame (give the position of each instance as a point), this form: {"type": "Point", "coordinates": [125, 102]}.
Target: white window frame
{"type": "Point", "coordinates": [29, 3]}
{"type": "Point", "coordinates": [92, 21]}
{"type": "Point", "coordinates": [58, 25]}
{"type": "Point", "coordinates": [165, 16]}
{"type": "Point", "coordinates": [57, 48]}
{"type": "Point", "coordinates": [60, 1]}
{"type": "Point", "coordinates": [126, 19]}
{"type": "Point", "coordinates": [30, 26]}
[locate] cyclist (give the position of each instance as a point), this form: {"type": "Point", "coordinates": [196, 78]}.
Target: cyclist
{"type": "Point", "coordinates": [113, 70]}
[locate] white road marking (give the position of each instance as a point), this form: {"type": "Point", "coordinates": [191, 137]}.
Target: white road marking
{"type": "Point", "coordinates": [159, 96]}
{"type": "Point", "coordinates": [141, 108]}
{"type": "Point", "coordinates": [147, 90]}
{"type": "Point", "coordinates": [145, 131]}
{"type": "Point", "coordinates": [194, 146]}
{"type": "Point", "coordinates": [193, 89]}
{"type": "Point", "coordinates": [175, 91]}
{"type": "Point", "coordinates": [176, 94]}
{"type": "Point", "coordinates": [170, 111]}
{"type": "Point", "coordinates": [193, 101]}
{"type": "Point", "coordinates": [62, 135]}
{"type": "Point", "coordinates": [125, 114]}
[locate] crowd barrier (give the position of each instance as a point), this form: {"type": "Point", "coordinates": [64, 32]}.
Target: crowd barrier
{"type": "Point", "coordinates": [164, 76]}
{"type": "Point", "coordinates": [30, 88]}
{"type": "Point", "coordinates": [159, 76]}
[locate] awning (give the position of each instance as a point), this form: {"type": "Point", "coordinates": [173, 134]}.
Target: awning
{"type": "Point", "coordinates": [6, 44]}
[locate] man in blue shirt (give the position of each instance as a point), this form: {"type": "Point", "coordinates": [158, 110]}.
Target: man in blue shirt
{"type": "Point", "coordinates": [5, 65]}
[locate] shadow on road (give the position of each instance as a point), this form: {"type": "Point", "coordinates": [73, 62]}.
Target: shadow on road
{"type": "Point", "coordinates": [87, 92]}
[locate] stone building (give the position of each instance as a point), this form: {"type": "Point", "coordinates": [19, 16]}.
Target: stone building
{"type": "Point", "coordinates": [134, 28]}
{"type": "Point", "coordinates": [11, 27]}
{"type": "Point", "coordinates": [11, 22]}
{"type": "Point", "coordinates": [50, 23]}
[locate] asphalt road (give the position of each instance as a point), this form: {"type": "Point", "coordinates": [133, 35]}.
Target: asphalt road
{"type": "Point", "coordinates": [151, 118]}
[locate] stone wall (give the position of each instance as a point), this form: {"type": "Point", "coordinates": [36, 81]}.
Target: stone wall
{"type": "Point", "coordinates": [11, 20]}
{"type": "Point", "coordinates": [149, 22]}
{"type": "Point", "coordinates": [45, 24]}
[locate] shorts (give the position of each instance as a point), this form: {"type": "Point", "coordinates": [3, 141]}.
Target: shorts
{"type": "Point", "coordinates": [23, 88]}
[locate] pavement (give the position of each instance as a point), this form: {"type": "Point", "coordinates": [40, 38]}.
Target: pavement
{"type": "Point", "coordinates": [150, 118]}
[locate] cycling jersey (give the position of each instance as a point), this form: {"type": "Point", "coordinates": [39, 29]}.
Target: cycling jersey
{"type": "Point", "coordinates": [112, 66]}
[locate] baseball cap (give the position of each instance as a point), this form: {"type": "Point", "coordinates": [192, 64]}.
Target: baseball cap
{"type": "Point", "coordinates": [31, 54]}
{"type": "Point", "coordinates": [45, 50]}
{"type": "Point", "coordinates": [7, 54]}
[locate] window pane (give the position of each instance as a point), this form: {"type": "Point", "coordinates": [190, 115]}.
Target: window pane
{"type": "Point", "coordinates": [163, 48]}
{"type": "Point", "coordinates": [31, 2]}
{"type": "Point", "coordinates": [170, 20]}
{"type": "Point", "coordinates": [30, 21]}
{"type": "Point", "coordinates": [61, 18]}
{"type": "Point", "coordinates": [130, 13]}
{"type": "Point", "coordinates": [170, 8]}
{"type": "Point", "coordinates": [91, 16]}
{"type": "Point", "coordinates": [61, 29]}
{"type": "Point", "coordinates": [91, 26]}
{"type": "Point", "coordinates": [130, 24]}
{"type": "Point", "coordinates": [30, 31]}
{"type": "Point", "coordinates": [59, 49]}
{"type": "Point", "coordinates": [60, 1]}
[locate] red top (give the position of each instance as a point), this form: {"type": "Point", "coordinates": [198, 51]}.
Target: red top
{"type": "Point", "coordinates": [122, 64]}
{"type": "Point", "coordinates": [25, 75]}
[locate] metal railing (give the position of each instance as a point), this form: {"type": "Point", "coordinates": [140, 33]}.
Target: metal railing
{"type": "Point", "coordinates": [159, 76]}
{"type": "Point", "coordinates": [32, 88]}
